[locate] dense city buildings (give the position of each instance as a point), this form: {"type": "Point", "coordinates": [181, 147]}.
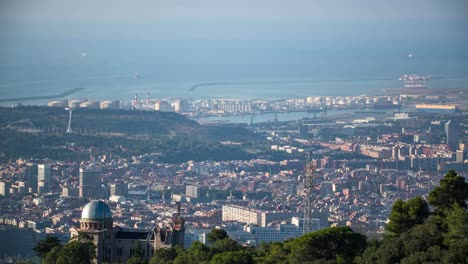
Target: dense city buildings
{"type": "Point", "coordinates": [363, 155]}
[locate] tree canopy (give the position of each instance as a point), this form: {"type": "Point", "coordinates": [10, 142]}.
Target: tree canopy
{"type": "Point", "coordinates": [405, 215]}
{"type": "Point", "coordinates": [416, 235]}
{"type": "Point", "coordinates": [75, 251]}
{"type": "Point", "coordinates": [339, 244]}
{"type": "Point", "coordinates": [453, 189]}
{"type": "Point", "coordinates": [217, 234]}
{"type": "Point", "coordinates": [46, 245]}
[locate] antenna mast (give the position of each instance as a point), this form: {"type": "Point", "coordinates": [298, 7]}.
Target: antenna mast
{"type": "Point", "coordinates": [309, 216]}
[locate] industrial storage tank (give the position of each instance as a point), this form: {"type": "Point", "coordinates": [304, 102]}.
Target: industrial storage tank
{"type": "Point", "coordinates": [109, 104]}
{"type": "Point", "coordinates": [90, 105]}
{"type": "Point", "coordinates": [57, 103]}
{"type": "Point", "coordinates": [162, 106]}
{"type": "Point", "coordinates": [76, 103]}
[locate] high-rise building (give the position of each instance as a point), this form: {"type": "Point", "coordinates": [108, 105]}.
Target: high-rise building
{"type": "Point", "coordinates": [30, 176]}
{"type": "Point", "coordinates": [363, 186]}
{"type": "Point", "coordinates": [41, 187]}
{"type": "Point", "coordinates": [118, 189]}
{"type": "Point", "coordinates": [451, 134]}
{"type": "Point", "coordinates": [280, 232]}
{"type": "Point", "coordinates": [242, 214]}
{"type": "Point", "coordinates": [192, 191]}
{"type": "Point", "coordinates": [400, 183]}
{"type": "Point", "coordinates": [460, 156]}
{"type": "Point", "coordinates": [22, 189]}
{"type": "Point", "coordinates": [68, 191]}
{"type": "Point", "coordinates": [5, 189]}
{"type": "Point", "coordinates": [44, 176]}
{"type": "Point", "coordinates": [90, 182]}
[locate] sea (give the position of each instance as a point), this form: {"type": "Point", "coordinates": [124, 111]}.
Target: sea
{"type": "Point", "coordinates": [272, 67]}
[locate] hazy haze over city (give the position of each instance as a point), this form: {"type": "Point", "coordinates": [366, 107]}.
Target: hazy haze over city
{"type": "Point", "coordinates": [241, 131]}
{"type": "Point", "coordinates": [176, 44]}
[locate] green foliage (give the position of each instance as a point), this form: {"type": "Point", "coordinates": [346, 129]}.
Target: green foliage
{"type": "Point", "coordinates": [176, 137]}
{"type": "Point", "coordinates": [165, 256]}
{"type": "Point", "coordinates": [406, 215]}
{"type": "Point", "coordinates": [217, 234]}
{"type": "Point", "coordinates": [273, 253]}
{"type": "Point", "coordinates": [386, 252]}
{"type": "Point", "coordinates": [81, 252]}
{"type": "Point", "coordinates": [421, 237]}
{"type": "Point", "coordinates": [457, 225]}
{"type": "Point", "coordinates": [333, 243]}
{"type": "Point", "coordinates": [197, 253]}
{"type": "Point", "coordinates": [416, 238]}
{"type": "Point", "coordinates": [224, 245]}
{"type": "Point", "coordinates": [137, 258]}
{"type": "Point", "coordinates": [430, 255]}
{"type": "Point", "coordinates": [46, 245]}
{"type": "Point", "coordinates": [452, 189]}
{"type": "Point", "coordinates": [457, 252]}
{"type": "Point", "coordinates": [52, 256]}
{"type": "Point", "coordinates": [237, 257]}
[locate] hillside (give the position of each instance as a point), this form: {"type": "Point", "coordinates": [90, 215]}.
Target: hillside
{"type": "Point", "coordinates": [35, 131]}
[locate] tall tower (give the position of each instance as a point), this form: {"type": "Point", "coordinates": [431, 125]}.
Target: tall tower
{"type": "Point", "coordinates": [90, 182]}
{"type": "Point", "coordinates": [5, 189]}
{"type": "Point", "coordinates": [451, 134]}
{"type": "Point", "coordinates": [178, 228]}
{"type": "Point", "coordinates": [30, 175]}
{"type": "Point", "coordinates": [309, 200]}
{"type": "Point", "coordinates": [44, 173]}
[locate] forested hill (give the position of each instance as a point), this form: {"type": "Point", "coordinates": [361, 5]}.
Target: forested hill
{"type": "Point", "coordinates": [129, 122]}
{"type": "Point", "coordinates": [33, 131]}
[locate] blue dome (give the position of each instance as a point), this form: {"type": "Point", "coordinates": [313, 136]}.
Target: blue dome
{"type": "Point", "coordinates": [96, 211]}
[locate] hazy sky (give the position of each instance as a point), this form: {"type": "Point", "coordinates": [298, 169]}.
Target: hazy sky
{"type": "Point", "coordinates": [256, 10]}
{"type": "Point", "coordinates": [234, 18]}
{"type": "Point", "coordinates": [208, 40]}
{"type": "Point", "coordinates": [262, 31]}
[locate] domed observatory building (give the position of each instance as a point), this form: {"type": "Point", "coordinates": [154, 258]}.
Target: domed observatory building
{"type": "Point", "coordinates": [96, 215]}
{"type": "Point", "coordinates": [117, 244]}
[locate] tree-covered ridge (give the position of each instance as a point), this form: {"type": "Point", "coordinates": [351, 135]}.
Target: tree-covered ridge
{"type": "Point", "coordinates": [415, 234]}
{"type": "Point", "coordinates": [128, 122]}
{"type": "Point", "coordinates": [123, 133]}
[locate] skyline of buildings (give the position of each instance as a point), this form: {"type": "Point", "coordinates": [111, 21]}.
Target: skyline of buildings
{"type": "Point", "coordinates": [363, 164]}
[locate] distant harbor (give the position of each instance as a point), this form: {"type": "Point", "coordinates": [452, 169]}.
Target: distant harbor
{"type": "Point", "coordinates": [292, 116]}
